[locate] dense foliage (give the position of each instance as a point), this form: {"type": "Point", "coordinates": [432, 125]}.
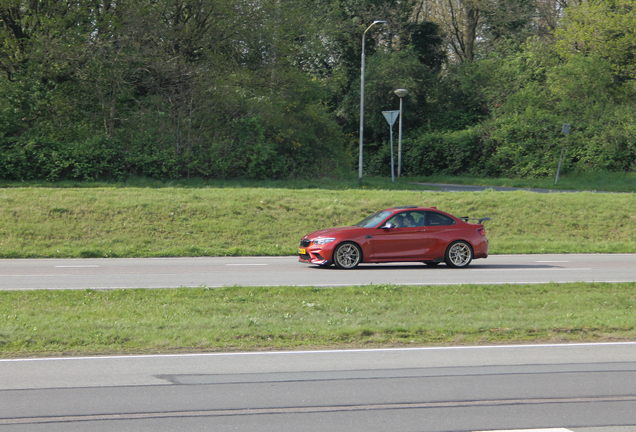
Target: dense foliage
{"type": "Point", "coordinates": [270, 89]}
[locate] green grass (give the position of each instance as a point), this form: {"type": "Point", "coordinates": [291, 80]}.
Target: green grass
{"type": "Point", "coordinates": [210, 221]}
{"type": "Point", "coordinates": [252, 318]}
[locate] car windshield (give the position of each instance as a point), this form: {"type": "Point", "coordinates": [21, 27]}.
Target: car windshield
{"type": "Point", "coordinates": [373, 220]}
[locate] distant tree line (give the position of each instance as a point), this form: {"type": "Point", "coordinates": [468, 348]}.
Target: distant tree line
{"type": "Point", "coordinates": [270, 88]}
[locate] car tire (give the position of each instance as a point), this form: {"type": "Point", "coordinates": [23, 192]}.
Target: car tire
{"type": "Point", "coordinates": [458, 254]}
{"type": "Point", "coordinates": [347, 256]}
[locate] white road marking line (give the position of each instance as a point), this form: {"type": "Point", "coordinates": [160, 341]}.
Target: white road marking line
{"type": "Point", "coordinates": [530, 430]}
{"type": "Point", "coordinates": [333, 351]}
{"type": "Point", "coordinates": [422, 284]}
{"type": "Point", "coordinates": [76, 266]}
{"type": "Point", "coordinates": [531, 269]}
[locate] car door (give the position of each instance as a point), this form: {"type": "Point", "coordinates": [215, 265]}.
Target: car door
{"type": "Point", "coordinates": [400, 242]}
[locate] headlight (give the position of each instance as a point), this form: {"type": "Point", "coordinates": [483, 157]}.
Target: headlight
{"type": "Point", "coordinates": [322, 241]}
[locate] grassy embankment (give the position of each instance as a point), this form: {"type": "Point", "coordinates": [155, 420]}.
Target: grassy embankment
{"type": "Point", "coordinates": [136, 222]}
{"type": "Point", "coordinates": [174, 221]}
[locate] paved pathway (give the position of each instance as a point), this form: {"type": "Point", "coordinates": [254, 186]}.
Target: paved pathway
{"type": "Point", "coordinates": [443, 187]}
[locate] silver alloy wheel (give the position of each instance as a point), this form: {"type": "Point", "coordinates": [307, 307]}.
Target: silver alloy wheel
{"type": "Point", "coordinates": [459, 254]}
{"type": "Point", "coordinates": [347, 256]}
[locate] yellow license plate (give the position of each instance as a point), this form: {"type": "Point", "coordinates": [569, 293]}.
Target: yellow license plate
{"type": "Point", "coordinates": [302, 251]}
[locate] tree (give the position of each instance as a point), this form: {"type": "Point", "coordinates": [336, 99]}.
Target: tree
{"type": "Point", "coordinates": [472, 28]}
{"type": "Point", "coordinates": [533, 92]}
{"type": "Point", "coordinates": [459, 20]}
{"type": "Point", "coordinates": [604, 28]}
{"type": "Point", "coordinates": [166, 83]}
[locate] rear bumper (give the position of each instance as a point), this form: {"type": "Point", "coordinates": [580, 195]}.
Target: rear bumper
{"type": "Point", "coordinates": [480, 250]}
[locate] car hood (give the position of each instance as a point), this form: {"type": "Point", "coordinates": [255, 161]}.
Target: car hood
{"type": "Point", "coordinates": [334, 232]}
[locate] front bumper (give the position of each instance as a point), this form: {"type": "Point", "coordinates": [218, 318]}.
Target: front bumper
{"type": "Point", "coordinates": [320, 255]}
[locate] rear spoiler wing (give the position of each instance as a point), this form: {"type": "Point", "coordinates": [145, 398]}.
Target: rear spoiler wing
{"type": "Point", "coordinates": [466, 219]}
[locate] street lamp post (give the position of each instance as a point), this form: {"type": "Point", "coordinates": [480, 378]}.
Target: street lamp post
{"type": "Point", "coordinates": [362, 101]}
{"type": "Point", "coordinates": [400, 93]}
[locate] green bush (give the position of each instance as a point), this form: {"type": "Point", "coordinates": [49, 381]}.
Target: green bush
{"type": "Point", "coordinates": [246, 149]}
{"type": "Point", "coordinates": [42, 158]}
{"type": "Point", "coordinates": [448, 153]}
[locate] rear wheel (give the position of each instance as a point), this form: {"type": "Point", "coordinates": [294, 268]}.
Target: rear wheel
{"type": "Point", "coordinates": [347, 256]}
{"type": "Point", "coordinates": [459, 254]}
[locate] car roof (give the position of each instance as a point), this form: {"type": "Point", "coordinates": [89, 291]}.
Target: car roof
{"type": "Point", "coordinates": [410, 207]}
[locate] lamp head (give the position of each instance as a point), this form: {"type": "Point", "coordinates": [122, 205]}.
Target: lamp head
{"type": "Point", "coordinates": [401, 92]}
{"type": "Point", "coordinates": [374, 23]}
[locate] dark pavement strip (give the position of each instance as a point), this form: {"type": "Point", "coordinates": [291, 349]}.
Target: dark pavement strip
{"type": "Point", "coordinates": [443, 187]}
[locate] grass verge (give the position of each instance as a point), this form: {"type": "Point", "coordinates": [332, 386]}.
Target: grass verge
{"type": "Point", "coordinates": [251, 318]}
{"type": "Point", "coordinates": [594, 181]}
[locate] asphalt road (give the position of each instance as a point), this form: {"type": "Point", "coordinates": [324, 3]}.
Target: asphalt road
{"type": "Point", "coordinates": [267, 271]}
{"type": "Point", "coordinates": [578, 388]}
{"type": "Point", "coordinates": [584, 388]}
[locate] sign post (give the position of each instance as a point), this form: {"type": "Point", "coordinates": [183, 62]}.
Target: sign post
{"type": "Point", "coordinates": [565, 131]}
{"type": "Point", "coordinates": [390, 117]}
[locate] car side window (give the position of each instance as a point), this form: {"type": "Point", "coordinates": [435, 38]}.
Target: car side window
{"type": "Point", "coordinates": [408, 219]}
{"type": "Point", "coordinates": [397, 221]}
{"type": "Point", "coordinates": [438, 219]}
{"type": "Point", "coordinates": [419, 219]}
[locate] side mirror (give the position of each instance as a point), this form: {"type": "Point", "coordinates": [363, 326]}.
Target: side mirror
{"type": "Point", "coordinates": [387, 226]}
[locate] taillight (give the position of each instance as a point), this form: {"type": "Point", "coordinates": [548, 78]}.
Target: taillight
{"type": "Point", "coordinates": [482, 231]}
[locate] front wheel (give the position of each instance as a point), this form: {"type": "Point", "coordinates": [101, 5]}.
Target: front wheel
{"type": "Point", "coordinates": [347, 256]}
{"type": "Point", "coordinates": [459, 254]}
